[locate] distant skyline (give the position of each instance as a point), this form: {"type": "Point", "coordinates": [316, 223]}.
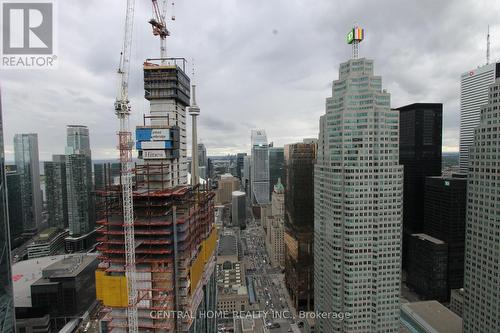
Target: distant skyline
{"type": "Point", "coordinates": [258, 65]}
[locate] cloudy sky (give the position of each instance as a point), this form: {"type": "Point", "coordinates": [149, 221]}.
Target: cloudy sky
{"type": "Point", "coordinates": [259, 64]}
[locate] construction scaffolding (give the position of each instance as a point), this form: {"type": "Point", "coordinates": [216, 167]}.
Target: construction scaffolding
{"type": "Point", "coordinates": [175, 241]}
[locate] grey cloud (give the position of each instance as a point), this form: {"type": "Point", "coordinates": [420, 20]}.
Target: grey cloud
{"type": "Point", "coordinates": [248, 76]}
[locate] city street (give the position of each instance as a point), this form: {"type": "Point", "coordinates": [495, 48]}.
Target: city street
{"type": "Point", "coordinates": [270, 291]}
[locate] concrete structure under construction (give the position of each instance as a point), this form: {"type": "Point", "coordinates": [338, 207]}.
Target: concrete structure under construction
{"type": "Point", "coordinates": [174, 227]}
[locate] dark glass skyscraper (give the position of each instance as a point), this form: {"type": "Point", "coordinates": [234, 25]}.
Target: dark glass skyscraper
{"type": "Point", "coordinates": [240, 158]}
{"type": "Point", "coordinates": [420, 140]}
{"type": "Point", "coordinates": [6, 299]}
{"type": "Point", "coordinates": [79, 181]}
{"type": "Point", "coordinates": [28, 167]}
{"type": "Point", "coordinates": [56, 190]}
{"type": "Point", "coordinates": [299, 223]}
{"type": "Point", "coordinates": [105, 174]}
{"type": "Point", "coordinates": [276, 160]}
{"type": "Point", "coordinates": [445, 208]}
{"type": "Point", "coordinates": [14, 195]}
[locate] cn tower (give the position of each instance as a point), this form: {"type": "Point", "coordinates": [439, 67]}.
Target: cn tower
{"type": "Point", "coordinates": [194, 111]}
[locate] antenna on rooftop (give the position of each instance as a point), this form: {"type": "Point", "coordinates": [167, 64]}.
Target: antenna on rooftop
{"type": "Point", "coordinates": [354, 37]}
{"type": "Point", "coordinates": [488, 46]}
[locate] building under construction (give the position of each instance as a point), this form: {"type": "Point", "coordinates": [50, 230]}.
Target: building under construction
{"type": "Point", "coordinates": [175, 237]}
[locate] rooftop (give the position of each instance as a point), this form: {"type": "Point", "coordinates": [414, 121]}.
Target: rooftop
{"type": "Point", "coordinates": [227, 245]}
{"type": "Point", "coordinates": [27, 272]}
{"type": "Point", "coordinates": [69, 266]}
{"type": "Point", "coordinates": [429, 238]}
{"type": "Point", "coordinates": [431, 316]}
{"type": "Point", "coordinates": [47, 235]}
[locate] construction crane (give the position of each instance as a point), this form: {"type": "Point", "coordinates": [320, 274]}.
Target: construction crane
{"type": "Point", "coordinates": [160, 26]}
{"type": "Point", "coordinates": [125, 143]}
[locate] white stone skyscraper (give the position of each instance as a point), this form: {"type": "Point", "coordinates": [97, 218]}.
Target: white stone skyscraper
{"type": "Point", "coordinates": [260, 167]}
{"type": "Point", "coordinates": [358, 187]}
{"type": "Point", "coordinates": [473, 95]}
{"type": "Point", "coordinates": [482, 237]}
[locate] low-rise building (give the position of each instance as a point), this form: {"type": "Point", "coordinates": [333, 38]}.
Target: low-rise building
{"type": "Point", "coordinates": [53, 290]}
{"type": "Point", "coordinates": [227, 249]}
{"type": "Point", "coordinates": [429, 317]}
{"type": "Point", "coordinates": [427, 267]}
{"type": "Point", "coordinates": [232, 294]}
{"type": "Point", "coordinates": [48, 242]}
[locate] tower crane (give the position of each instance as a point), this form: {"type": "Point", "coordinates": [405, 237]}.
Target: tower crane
{"type": "Point", "coordinates": [160, 26]}
{"type": "Point", "coordinates": [125, 143]}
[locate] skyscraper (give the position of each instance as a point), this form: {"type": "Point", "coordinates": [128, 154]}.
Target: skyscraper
{"type": "Point", "coordinates": [240, 162]}
{"type": "Point", "coordinates": [26, 157]}
{"type": "Point", "coordinates": [482, 252]}
{"type": "Point", "coordinates": [81, 214]}
{"type": "Point", "coordinates": [260, 167]}
{"type": "Point", "coordinates": [358, 185]}
{"type": "Point", "coordinates": [239, 209]}
{"type": "Point", "coordinates": [56, 191]}
{"type": "Point", "coordinates": [106, 174]}
{"type": "Point", "coordinates": [7, 316]}
{"type": "Point", "coordinates": [276, 160]}
{"type": "Point", "coordinates": [444, 219]}
{"type": "Point", "coordinates": [79, 185]}
{"type": "Point", "coordinates": [299, 223]}
{"type": "Point", "coordinates": [246, 174]}
{"type": "Point", "coordinates": [173, 222]}
{"type": "Point", "coordinates": [15, 204]}
{"type": "Point", "coordinates": [275, 229]}
{"type": "Point", "coordinates": [473, 95]}
{"type": "Point", "coordinates": [202, 155]}
{"type": "Point", "coordinates": [420, 153]}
